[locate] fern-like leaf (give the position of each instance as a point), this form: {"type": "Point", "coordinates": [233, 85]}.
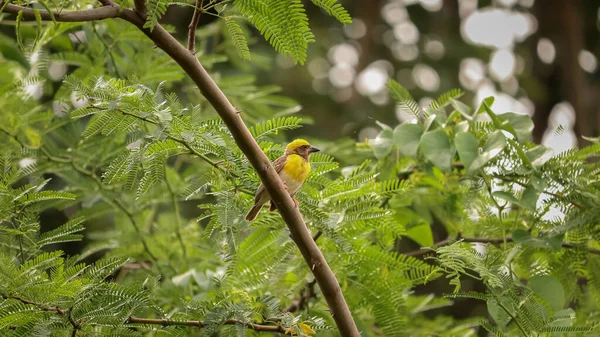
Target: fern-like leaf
{"type": "Point", "coordinates": [333, 8]}
{"type": "Point", "coordinates": [283, 23]}
{"type": "Point", "coordinates": [445, 99]}
{"type": "Point", "coordinates": [273, 126]}
{"type": "Point", "coordinates": [238, 39]}
{"type": "Point", "coordinates": [64, 233]}
{"type": "Point", "coordinates": [404, 99]}
{"type": "Point", "coordinates": [156, 9]}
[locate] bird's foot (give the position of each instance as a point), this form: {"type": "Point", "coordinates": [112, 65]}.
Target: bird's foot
{"type": "Point", "coordinates": [295, 202]}
{"type": "Point", "coordinates": [285, 186]}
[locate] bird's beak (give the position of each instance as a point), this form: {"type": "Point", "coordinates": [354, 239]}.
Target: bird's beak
{"type": "Point", "coordinates": [313, 149]}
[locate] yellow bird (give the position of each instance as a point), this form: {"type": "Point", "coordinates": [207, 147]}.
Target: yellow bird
{"type": "Point", "coordinates": [293, 168]}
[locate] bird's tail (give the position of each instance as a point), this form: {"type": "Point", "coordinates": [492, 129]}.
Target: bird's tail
{"type": "Point", "coordinates": [253, 212]}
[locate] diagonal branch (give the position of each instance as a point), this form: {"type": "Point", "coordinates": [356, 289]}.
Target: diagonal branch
{"type": "Point", "coordinates": [191, 46]}
{"type": "Point", "coordinates": [299, 232]}
{"type": "Point", "coordinates": [313, 256]}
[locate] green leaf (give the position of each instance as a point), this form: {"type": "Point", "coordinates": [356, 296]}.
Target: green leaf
{"type": "Point", "coordinates": [498, 313]}
{"type": "Point", "coordinates": [284, 24]}
{"type": "Point", "coordinates": [407, 137]}
{"type": "Point", "coordinates": [524, 238]}
{"type": "Point", "coordinates": [464, 110]}
{"type": "Point", "coordinates": [461, 127]}
{"type": "Point", "coordinates": [488, 101]}
{"type": "Point", "coordinates": [156, 9]}
{"type": "Point", "coordinates": [522, 124]}
{"type": "Point", "coordinates": [499, 122]}
{"type": "Point", "coordinates": [505, 196]}
{"type": "Point", "coordinates": [237, 38]}
{"type": "Point", "coordinates": [403, 98]}
{"type": "Point", "coordinates": [273, 126]}
{"type": "Point", "coordinates": [436, 147]}
{"type": "Point", "coordinates": [521, 236]}
{"type": "Point", "coordinates": [421, 234]}
{"type": "Point", "coordinates": [549, 289]}
{"type": "Point", "coordinates": [529, 198]}
{"type": "Point", "coordinates": [445, 99]}
{"type": "Point", "coordinates": [539, 155]}
{"type": "Point", "coordinates": [495, 143]}
{"type": "Point", "coordinates": [382, 144]}
{"type": "Point", "coordinates": [334, 9]}
{"type": "Point", "coordinates": [467, 146]}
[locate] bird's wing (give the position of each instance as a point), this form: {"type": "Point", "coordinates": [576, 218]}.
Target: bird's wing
{"type": "Point", "coordinates": [278, 166]}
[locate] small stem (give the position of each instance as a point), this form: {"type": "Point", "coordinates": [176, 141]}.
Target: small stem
{"type": "Point", "coordinates": [498, 206]}
{"type": "Point", "coordinates": [21, 249]}
{"type": "Point", "coordinates": [177, 218]}
{"type": "Point", "coordinates": [167, 322]}
{"type": "Point", "coordinates": [191, 46]}
{"type": "Point", "coordinates": [129, 215]}
{"type": "Point", "coordinates": [110, 55]}
{"type": "Point", "coordinates": [493, 241]}
{"type": "Point", "coordinates": [513, 317]}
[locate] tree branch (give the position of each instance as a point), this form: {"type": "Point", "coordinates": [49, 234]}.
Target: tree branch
{"type": "Point", "coordinates": [493, 241]}
{"type": "Point", "coordinates": [191, 45]}
{"type": "Point", "coordinates": [291, 215]}
{"type": "Point", "coordinates": [164, 322]}
{"type": "Point", "coordinates": [167, 322]}
{"type": "Point", "coordinates": [56, 309]}
{"type": "Point", "coordinates": [140, 7]}
{"type": "Point", "coordinates": [299, 232]}
{"type": "Point", "coordinates": [100, 13]}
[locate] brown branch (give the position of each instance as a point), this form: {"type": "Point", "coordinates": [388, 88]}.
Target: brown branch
{"type": "Point", "coordinates": [299, 232]}
{"type": "Point", "coordinates": [76, 325]}
{"type": "Point", "coordinates": [493, 241]}
{"type": "Point", "coordinates": [191, 45]}
{"type": "Point", "coordinates": [313, 256]}
{"type": "Point", "coordinates": [140, 7]}
{"type": "Point", "coordinates": [101, 13]}
{"type": "Point", "coordinates": [164, 322]}
{"type": "Point", "coordinates": [38, 305]}
{"type": "Point", "coordinates": [167, 322]}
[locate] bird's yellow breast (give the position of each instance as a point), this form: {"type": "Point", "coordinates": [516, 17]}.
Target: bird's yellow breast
{"type": "Point", "coordinates": [296, 168]}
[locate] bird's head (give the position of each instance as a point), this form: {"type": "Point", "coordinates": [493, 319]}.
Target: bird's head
{"type": "Point", "coordinates": [301, 148]}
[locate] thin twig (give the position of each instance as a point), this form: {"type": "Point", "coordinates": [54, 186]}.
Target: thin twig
{"type": "Point", "coordinates": [191, 45]}
{"type": "Point", "coordinates": [493, 241]}
{"type": "Point", "coordinates": [110, 54]}
{"type": "Point", "coordinates": [556, 195]}
{"type": "Point", "coordinates": [167, 322]}
{"type": "Point", "coordinates": [76, 325]}
{"type": "Point", "coordinates": [175, 203]}
{"type": "Point", "coordinates": [129, 215]}
{"type": "Point", "coordinates": [163, 322]}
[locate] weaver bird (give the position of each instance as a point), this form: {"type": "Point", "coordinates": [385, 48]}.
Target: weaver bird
{"type": "Point", "coordinates": [293, 168]}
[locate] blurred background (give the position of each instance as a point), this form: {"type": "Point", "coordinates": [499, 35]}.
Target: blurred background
{"type": "Point", "coordinates": [538, 57]}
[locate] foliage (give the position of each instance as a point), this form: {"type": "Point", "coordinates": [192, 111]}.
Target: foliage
{"type": "Point", "coordinates": [157, 191]}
